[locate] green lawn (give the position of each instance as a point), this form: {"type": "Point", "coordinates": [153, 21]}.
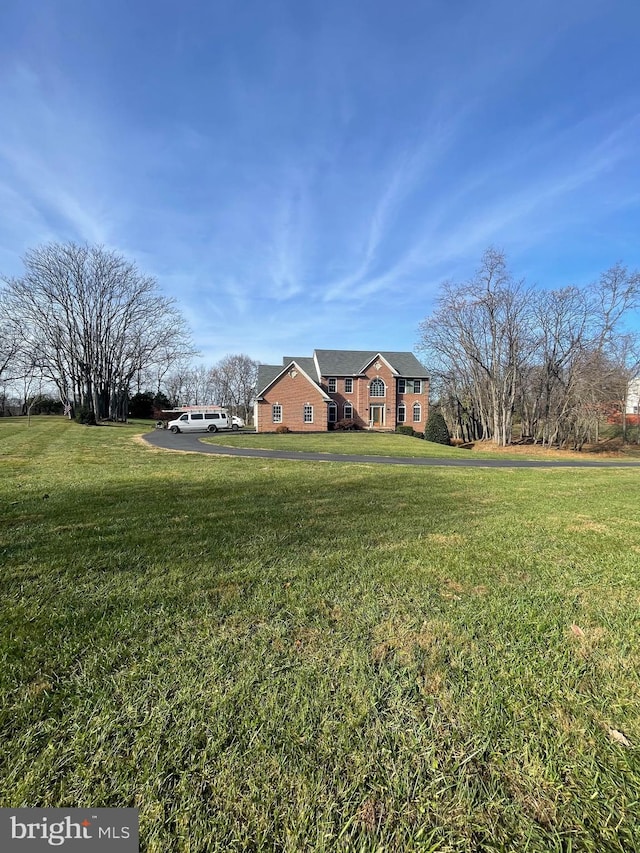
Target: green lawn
{"type": "Point", "coordinates": [367, 443]}
{"type": "Point", "coordinates": [391, 444]}
{"type": "Point", "coordinates": [268, 655]}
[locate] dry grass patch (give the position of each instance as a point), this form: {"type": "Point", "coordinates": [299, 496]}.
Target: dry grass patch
{"type": "Point", "coordinates": [393, 638]}
{"type": "Point", "coordinates": [586, 640]}
{"type": "Point", "coordinates": [453, 540]}
{"type": "Point", "coordinates": [583, 523]}
{"type": "Point", "coordinates": [371, 815]}
{"type": "Point", "coordinates": [455, 590]}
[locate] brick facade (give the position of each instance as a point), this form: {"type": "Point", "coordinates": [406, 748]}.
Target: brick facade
{"type": "Point", "coordinates": [362, 401]}
{"type": "Point", "coordinates": [292, 392]}
{"type": "Point", "coordinates": [293, 389]}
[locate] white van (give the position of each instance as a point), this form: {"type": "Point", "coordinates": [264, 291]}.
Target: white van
{"type": "Point", "coordinates": [203, 421]}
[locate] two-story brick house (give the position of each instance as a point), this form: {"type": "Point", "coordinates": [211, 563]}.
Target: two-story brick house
{"type": "Point", "coordinates": [378, 390]}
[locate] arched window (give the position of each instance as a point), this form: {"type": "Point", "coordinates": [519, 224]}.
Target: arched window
{"type": "Point", "coordinates": [377, 388]}
{"type": "Point", "coordinates": [333, 413]}
{"type": "Point", "coordinates": [348, 411]}
{"type": "Point", "coordinates": [417, 413]}
{"type": "Point", "coordinates": [402, 413]}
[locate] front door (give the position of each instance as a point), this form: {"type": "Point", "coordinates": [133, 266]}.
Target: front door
{"type": "Point", "coordinates": [377, 416]}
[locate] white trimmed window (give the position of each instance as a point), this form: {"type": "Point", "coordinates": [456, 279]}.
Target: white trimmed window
{"type": "Point", "coordinates": [417, 386]}
{"type": "Point", "coordinates": [308, 414]}
{"type": "Point", "coordinates": [417, 413]}
{"type": "Point", "coordinates": [348, 387]}
{"type": "Point", "coordinates": [332, 384]}
{"type": "Point", "coordinates": [276, 413]}
{"type": "Point", "coordinates": [348, 410]}
{"type": "Point", "coordinates": [402, 413]}
{"type": "Point", "coordinates": [333, 413]}
{"type": "Point", "coordinates": [377, 388]}
{"type": "Point", "coordinates": [402, 384]}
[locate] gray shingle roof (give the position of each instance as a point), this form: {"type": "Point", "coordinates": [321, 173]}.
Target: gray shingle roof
{"type": "Point", "coordinates": [306, 363]}
{"type": "Point", "coordinates": [335, 362]}
{"type": "Point", "coordinates": [407, 365]}
{"type": "Point", "coordinates": [266, 374]}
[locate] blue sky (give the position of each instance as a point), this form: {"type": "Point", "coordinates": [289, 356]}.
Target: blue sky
{"type": "Point", "coordinates": [303, 174]}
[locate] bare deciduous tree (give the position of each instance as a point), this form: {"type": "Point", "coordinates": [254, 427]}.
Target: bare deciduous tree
{"type": "Point", "coordinates": [479, 337]}
{"type": "Point", "coordinates": [236, 376]}
{"type": "Point", "coordinates": [230, 382]}
{"type": "Point", "coordinates": [94, 322]}
{"type": "Point", "coordinates": [11, 350]}
{"type": "Point", "coordinates": [555, 358]}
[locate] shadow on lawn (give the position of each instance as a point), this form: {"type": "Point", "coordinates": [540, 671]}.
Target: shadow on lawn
{"type": "Point", "coordinates": [180, 542]}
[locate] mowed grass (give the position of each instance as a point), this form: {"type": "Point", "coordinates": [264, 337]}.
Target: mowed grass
{"type": "Point", "coordinates": [392, 444]}
{"type": "Point", "coordinates": [268, 655]}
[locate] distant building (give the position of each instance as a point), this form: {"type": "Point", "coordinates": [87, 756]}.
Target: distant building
{"type": "Point", "coordinates": [632, 406]}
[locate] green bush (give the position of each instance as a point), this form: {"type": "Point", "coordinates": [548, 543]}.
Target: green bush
{"type": "Point", "coordinates": [405, 429]}
{"type": "Point", "coordinates": [436, 429]}
{"type": "Point", "coordinates": [85, 415]}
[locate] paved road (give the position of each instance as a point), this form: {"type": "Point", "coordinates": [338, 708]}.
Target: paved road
{"type": "Point", "coordinates": [192, 443]}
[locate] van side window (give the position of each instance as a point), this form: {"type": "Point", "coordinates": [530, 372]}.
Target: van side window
{"type": "Point", "coordinates": [184, 417]}
{"type": "Point", "coordinates": [209, 416]}
{"type": "Point", "coordinates": [196, 416]}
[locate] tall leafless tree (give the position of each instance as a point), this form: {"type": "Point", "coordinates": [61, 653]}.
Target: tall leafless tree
{"type": "Point", "coordinates": [230, 383]}
{"type": "Point", "coordinates": [478, 338]}
{"type": "Point", "coordinates": [94, 322]}
{"type": "Point", "coordinates": [555, 358]}
{"type": "Point", "coordinates": [11, 349]}
{"type": "Point", "coordinates": [236, 376]}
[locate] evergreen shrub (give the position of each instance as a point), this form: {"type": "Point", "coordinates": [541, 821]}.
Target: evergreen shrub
{"type": "Point", "coordinates": [85, 415]}
{"type": "Point", "coordinates": [436, 428]}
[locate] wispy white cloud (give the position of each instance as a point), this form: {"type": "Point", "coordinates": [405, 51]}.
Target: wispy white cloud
{"type": "Point", "coordinates": [284, 180]}
{"type": "Point", "coordinates": [289, 242]}
{"type": "Point", "coordinates": [404, 174]}
{"type": "Point", "coordinates": [464, 222]}
{"type": "Point", "coordinates": [44, 156]}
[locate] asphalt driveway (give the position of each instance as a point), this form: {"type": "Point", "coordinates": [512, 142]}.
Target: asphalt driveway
{"type": "Point", "coordinates": [192, 444]}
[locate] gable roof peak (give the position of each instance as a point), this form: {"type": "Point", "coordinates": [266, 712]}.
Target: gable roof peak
{"type": "Point", "coordinates": [269, 374]}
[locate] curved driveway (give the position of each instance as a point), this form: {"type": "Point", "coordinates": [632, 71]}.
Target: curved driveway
{"type": "Point", "coordinates": [192, 444]}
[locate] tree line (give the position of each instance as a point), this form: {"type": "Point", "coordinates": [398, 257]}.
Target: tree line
{"type": "Point", "coordinates": [84, 323]}
{"type": "Point", "coordinates": [229, 383]}
{"type": "Point", "coordinates": [554, 361]}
